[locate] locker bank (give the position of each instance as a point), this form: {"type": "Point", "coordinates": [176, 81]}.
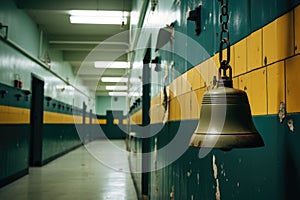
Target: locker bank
{"type": "Point", "coordinates": [149, 99]}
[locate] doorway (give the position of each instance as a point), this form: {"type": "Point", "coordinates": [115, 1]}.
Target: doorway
{"type": "Point", "coordinates": [36, 121]}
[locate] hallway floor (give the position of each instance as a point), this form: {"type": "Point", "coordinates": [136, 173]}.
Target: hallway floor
{"type": "Point", "coordinates": [78, 176]}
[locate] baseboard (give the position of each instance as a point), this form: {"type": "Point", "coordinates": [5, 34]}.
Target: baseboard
{"type": "Point", "coordinates": [13, 177]}
{"type": "Point", "coordinates": [48, 160]}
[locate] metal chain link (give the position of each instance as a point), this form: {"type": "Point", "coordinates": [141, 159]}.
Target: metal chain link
{"type": "Point", "coordinates": [224, 17]}
{"type": "Point", "coordinates": [224, 39]}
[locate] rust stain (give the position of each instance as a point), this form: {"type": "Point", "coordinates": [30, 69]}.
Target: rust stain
{"type": "Point", "coordinates": [215, 169]}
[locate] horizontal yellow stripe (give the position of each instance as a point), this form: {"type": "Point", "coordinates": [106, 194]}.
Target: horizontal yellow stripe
{"type": "Point", "coordinates": [102, 121]}
{"type": "Point", "coordinates": [258, 63]}
{"type": "Point", "coordinates": [14, 115]}
{"type": "Point", "coordinates": [94, 121]}
{"type": "Point", "coordinates": [60, 118]}
{"type": "Point", "coordinates": [136, 118]}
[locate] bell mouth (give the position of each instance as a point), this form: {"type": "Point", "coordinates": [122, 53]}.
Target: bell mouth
{"type": "Point", "coordinates": [226, 121]}
{"type": "Point", "coordinates": [226, 142]}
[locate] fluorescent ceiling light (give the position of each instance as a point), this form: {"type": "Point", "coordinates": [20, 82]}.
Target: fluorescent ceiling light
{"type": "Point", "coordinates": [109, 64]}
{"type": "Point", "coordinates": [136, 94]}
{"type": "Point", "coordinates": [137, 65]}
{"type": "Point", "coordinates": [96, 20]}
{"type": "Point", "coordinates": [117, 93]}
{"type": "Point", "coordinates": [98, 17]}
{"type": "Point", "coordinates": [120, 79]}
{"type": "Point", "coordinates": [116, 87]}
{"type": "Point", "coordinates": [114, 79]}
{"type": "Point", "coordinates": [100, 13]}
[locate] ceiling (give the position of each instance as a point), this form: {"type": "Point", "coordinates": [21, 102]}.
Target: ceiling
{"type": "Point", "coordinates": [76, 41]}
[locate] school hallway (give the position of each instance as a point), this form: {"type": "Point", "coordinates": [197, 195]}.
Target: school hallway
{"type": "Point", "coordinates": [149, 99]}
{"type": "Point", "coordinates": [77, 175]}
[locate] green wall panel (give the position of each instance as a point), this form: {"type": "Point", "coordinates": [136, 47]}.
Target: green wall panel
{"type": "Point", "coordinates": [57, 140]}
{"type": "Point", "coordinates": [208, 37]}
{"type": "Point", "coordinates": [253, 173]}
{"type": "Point", "coordinates": [105, 103]}
{"type": "Point", "coordinates": [269, 172]}
{"type": "Point", "coordinates": [244, 18]}
{"type": "Point", "coordinates": [56, 106]}
{"type": "Point", "coordinates": [14, 138]}
{"type": "Point", "coordinates": [291, 174]}
{"type": "Point", "coordinates": [180, 43]}
{"type": "Point", "coordinates": [284, 6]}
{"type": "Point", "coordinates": [14, 148]}
{"type": "Point", "coordinates": [113, 131]}
{"type": "Point", "coordinates": [263, 12]}
{"type": "Point", "coordinates": [10, 98]}
{"type": "Point", "coordinates": [19, 22]}
{"type": "Point", "coordinates": [239, 19]}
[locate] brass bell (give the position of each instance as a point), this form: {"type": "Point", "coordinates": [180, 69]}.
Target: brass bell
{"type": "Point", "coordinates": [225, 117]}
{"type": "Point", "coordinates": [225, 121]}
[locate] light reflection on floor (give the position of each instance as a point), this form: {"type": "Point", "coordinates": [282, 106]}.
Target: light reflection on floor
{"type": "Point", "coordinates": [77, 175]}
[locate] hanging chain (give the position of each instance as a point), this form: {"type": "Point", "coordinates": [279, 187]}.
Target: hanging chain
{"type": "Point", "coordinates": [224, 17]}
{"type": "Point", "coordinates": [224, 41]}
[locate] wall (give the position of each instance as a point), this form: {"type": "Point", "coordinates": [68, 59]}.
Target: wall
{"type": "Point", "coordinates": [264, 57]}
{"type": "Point", "coordinates": [112, 125]}
{"type": "Point", "coordinates": [105, 103]}
{"type": "Point", "coordinates": [63, 128]}
{"type": "Point", "coordinates": [14, 136]}
{"type": "Point", "coordinates": [14, 63]}
{"type": "Point", "coordinates": [63, 116]}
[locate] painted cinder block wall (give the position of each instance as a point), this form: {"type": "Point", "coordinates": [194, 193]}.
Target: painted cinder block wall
{"type": "Point", "coordinates": [19, 58]}
{"type": "Point", "coordinates": [265, 56]}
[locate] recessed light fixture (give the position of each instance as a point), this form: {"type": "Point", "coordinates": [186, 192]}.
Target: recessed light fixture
{"type": "Point", "coordinates": [114, 79]}
{"type": "Point", "coordinates": [98, 17]}
{"type": "Point", "coordinates": [135, 94]}
{"type": "Point", "coordinates": [96, 20]}
{"type": "Point", "coordinates": [117, 93]}
{"type": "Point", "coordinates": [116, 87]}
{"type": "Point", "coordinates": [111, 65]}
{"type": "Point", "coordinates": [120, 79]}
{"type": "Point", "coordinates": [99, 13]}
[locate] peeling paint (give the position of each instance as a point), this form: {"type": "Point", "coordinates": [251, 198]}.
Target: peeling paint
{"type": "Point", "coordinates": [290, 124]}
{"type": "Point", "coordinates": [215, 169]}
{"type": "Point", "coordinates": [155, 150]}
{"type": "Point", "coordinates": [172, 194]}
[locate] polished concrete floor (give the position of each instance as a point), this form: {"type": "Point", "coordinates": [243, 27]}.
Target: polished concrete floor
{"type": "Point", "coordinates": [82, 174]}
